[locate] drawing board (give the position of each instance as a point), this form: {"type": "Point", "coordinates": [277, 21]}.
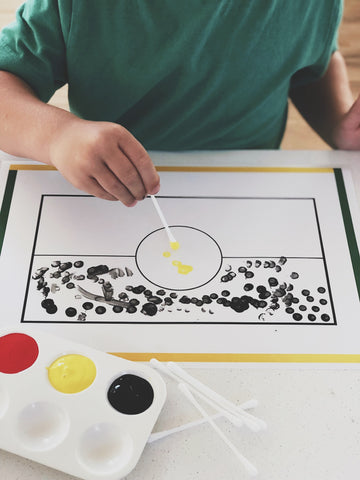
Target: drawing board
{"type": "Point", "coordinates": [267, 269]}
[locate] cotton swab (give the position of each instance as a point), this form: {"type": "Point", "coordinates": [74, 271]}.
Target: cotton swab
{"type": "Point", "coordinates": [235, 420]}
{"type": "Point", "coordinates": [250, 468]}
{"type": "Point", "coordinates": [165, 433]}
{"type": "Point", "coordinates": [174, 244]}
{"type": "Point", "coordinates": [251, 421]}
{"type": "Point", "coordinates": [230, 411]}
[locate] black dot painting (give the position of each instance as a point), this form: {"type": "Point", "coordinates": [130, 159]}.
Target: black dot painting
{"type": "Point", "coordinates": [260, 289]}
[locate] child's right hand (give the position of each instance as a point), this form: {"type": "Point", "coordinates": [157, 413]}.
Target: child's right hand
{"type": "Point", "coordinates": [105, 160]}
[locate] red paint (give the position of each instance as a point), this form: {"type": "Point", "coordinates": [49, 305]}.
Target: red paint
{"type": "Point", "coordinates": [17, 352]}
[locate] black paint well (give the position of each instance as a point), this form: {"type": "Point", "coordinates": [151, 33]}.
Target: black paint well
{"type": "Point", "coordinates": [130, 394]}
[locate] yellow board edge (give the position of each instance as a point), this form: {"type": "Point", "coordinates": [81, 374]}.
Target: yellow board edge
{"type": "Point", "coordinates": [198, 169]}
{"type": "Point", "coordinates": [241, 357]}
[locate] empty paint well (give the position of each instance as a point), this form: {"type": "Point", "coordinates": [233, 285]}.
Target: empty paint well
{"type": "Point", "coordinates": [104, 448]}
{"type": "Point", "coordinates": [42, 426]}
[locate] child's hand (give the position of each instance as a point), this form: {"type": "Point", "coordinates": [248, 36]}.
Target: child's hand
{"type": "Point", "coordinates": [347, 132]}
{"type": "Point", "coordinates": [105, 160]}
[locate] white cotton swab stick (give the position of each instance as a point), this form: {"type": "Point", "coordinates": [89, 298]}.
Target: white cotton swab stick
{"type": "Point", "coordinates": [235, 420]}
{"type": "Point", "coordinates": [163, 220]}
{"type": "Point", "coordinates": [235, 416]}
{"type": "Point", "coordinates": [250, 468]}
{"type": "Point", "coordinates": [165, 433]}
{"type": "Point", "coordinates": [251, 421]}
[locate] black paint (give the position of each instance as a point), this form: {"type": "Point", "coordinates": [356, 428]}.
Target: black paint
{"type": "Point", "coordinates": [130, 394]}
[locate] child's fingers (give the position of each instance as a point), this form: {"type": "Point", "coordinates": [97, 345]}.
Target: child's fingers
{"type": "Point", "coordinates": [141, 160]}
{"type": "Point", "coordinates": [91, 186]}
{"type": "Point", "coordinates": [121, 173]}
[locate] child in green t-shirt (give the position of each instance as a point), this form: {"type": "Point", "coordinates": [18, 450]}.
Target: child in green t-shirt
{"type": "Point", "coordinates": [166, 75]}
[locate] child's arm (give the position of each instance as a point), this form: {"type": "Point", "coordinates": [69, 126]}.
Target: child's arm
{"type": "Point", "coordinates": [329, 108]}
{"type": "Point", "coordinates": [101, 158]}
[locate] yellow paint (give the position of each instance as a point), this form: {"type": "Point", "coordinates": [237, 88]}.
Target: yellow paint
{"type": "Point", "coordinates": [174, 245]}
{"type": "Point", "coordinates": [183, 269]}
{"type": "Point", "coordinates": [72, 373]}
{"type": "Point", "coordinates": [167, 254]}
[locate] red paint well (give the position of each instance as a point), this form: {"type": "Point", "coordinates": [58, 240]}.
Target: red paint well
{"type": "Point", "coordinates": [18, 352]}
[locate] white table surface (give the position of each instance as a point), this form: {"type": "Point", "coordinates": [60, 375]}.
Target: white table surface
{"type": "Point", "coordinates": [312, 412]}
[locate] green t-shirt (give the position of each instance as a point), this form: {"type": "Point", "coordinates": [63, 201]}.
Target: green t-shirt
{"type": "Point", "coordinates": [180, 75]}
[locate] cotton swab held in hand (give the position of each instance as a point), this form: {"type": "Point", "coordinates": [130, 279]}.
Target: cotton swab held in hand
{"type": "Point", "coordinates": [250, 468]}
{"type": "Point", "coordinates": [173, 243]}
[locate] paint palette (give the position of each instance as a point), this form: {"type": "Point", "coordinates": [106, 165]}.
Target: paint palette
{"type": "Point", "coordinates": [73, 408]}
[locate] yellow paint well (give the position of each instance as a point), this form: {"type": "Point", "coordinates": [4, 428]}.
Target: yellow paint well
{"type": "Point", "coordinates": [71, 373]}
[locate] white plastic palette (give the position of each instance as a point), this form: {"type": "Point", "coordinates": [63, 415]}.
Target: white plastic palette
{"type": "Point", "coordinates": [81, 433]}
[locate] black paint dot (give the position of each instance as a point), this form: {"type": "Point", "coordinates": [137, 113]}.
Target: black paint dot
{"type": "Point", "coordinates": [294, 275]}
{"type": "Point", "coordinates": [242, 269]}
{"type": "Point", "coordinates": [315, 308]}
{"type": "Point", "coordinates": [155, 299]}
{"type": "Point", "coordinates": [87, 306]}
{"type": "Point", "coordinates": [225, 293]}
{"type": "Point", "coordinates": [325, 317]}
{"type": "Point", "coordinates": [160, 292]}
{"type": "Point", "coordinates": [309, 298]}
{"type": "Point", "coordinates": [78, 264]}
{"type": "Point", "coordinates": [70, 285]}
{"type": "Point", "coordinates": [51, 309]}
{"type": "Point", "coordinates": [321, 290]}
{"type": "Point", "coordinates": [131, 309]}
{"type": "Point", "coordinates": [303, 308]}
{"type": "Point", "coordinates": [130, 394]}
{"type": "Point", "coordinates": [322, 301]}
{"type": "Point", "coordinates": [248, 287]}
{"type": "Point", "coordinates": [134, 301]}
{"type": "Point", "coordinates": [47, 303]}
{"type": "Point", "coordinates": [206, 299]}
{"type": "Point", "coordinates": [149, 309]}
{"type": "Point", "coordinates": [70, 312]}
{"type": "Point", "coordinates": [312, 317]}
{"type": "Point", "coordinates": [139, 289]}
{"type": "Point", "coordinates": [297, 317]}
{"type": "Point", "coordinates": [305, 292]}
{"type": "Point", "coordinates": [117, 308]}
{"type": "Point", "coordinates": [100, 310]}
{"type": "Point", "coordinates": [214, 296]}
{"type": "Point", "coordinates": [249, 274]}
{"type": "Point", "coordinates": [289, 310]}
{"type": "Point", "coordinates": [272, 281]}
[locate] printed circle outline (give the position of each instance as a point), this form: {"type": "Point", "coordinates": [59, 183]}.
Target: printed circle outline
{"type": "Point", "coordinates": [179, 289]}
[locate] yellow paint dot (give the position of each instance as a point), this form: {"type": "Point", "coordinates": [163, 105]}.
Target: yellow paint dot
{"type": "Point", "coordinates": [183, 269]}
{"type": "Point", "coordinates": [175, 245]}
{"type": "Point", "coordinates": [72, 373]}
{"type": "Point", "coordinates": [167, 254]}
